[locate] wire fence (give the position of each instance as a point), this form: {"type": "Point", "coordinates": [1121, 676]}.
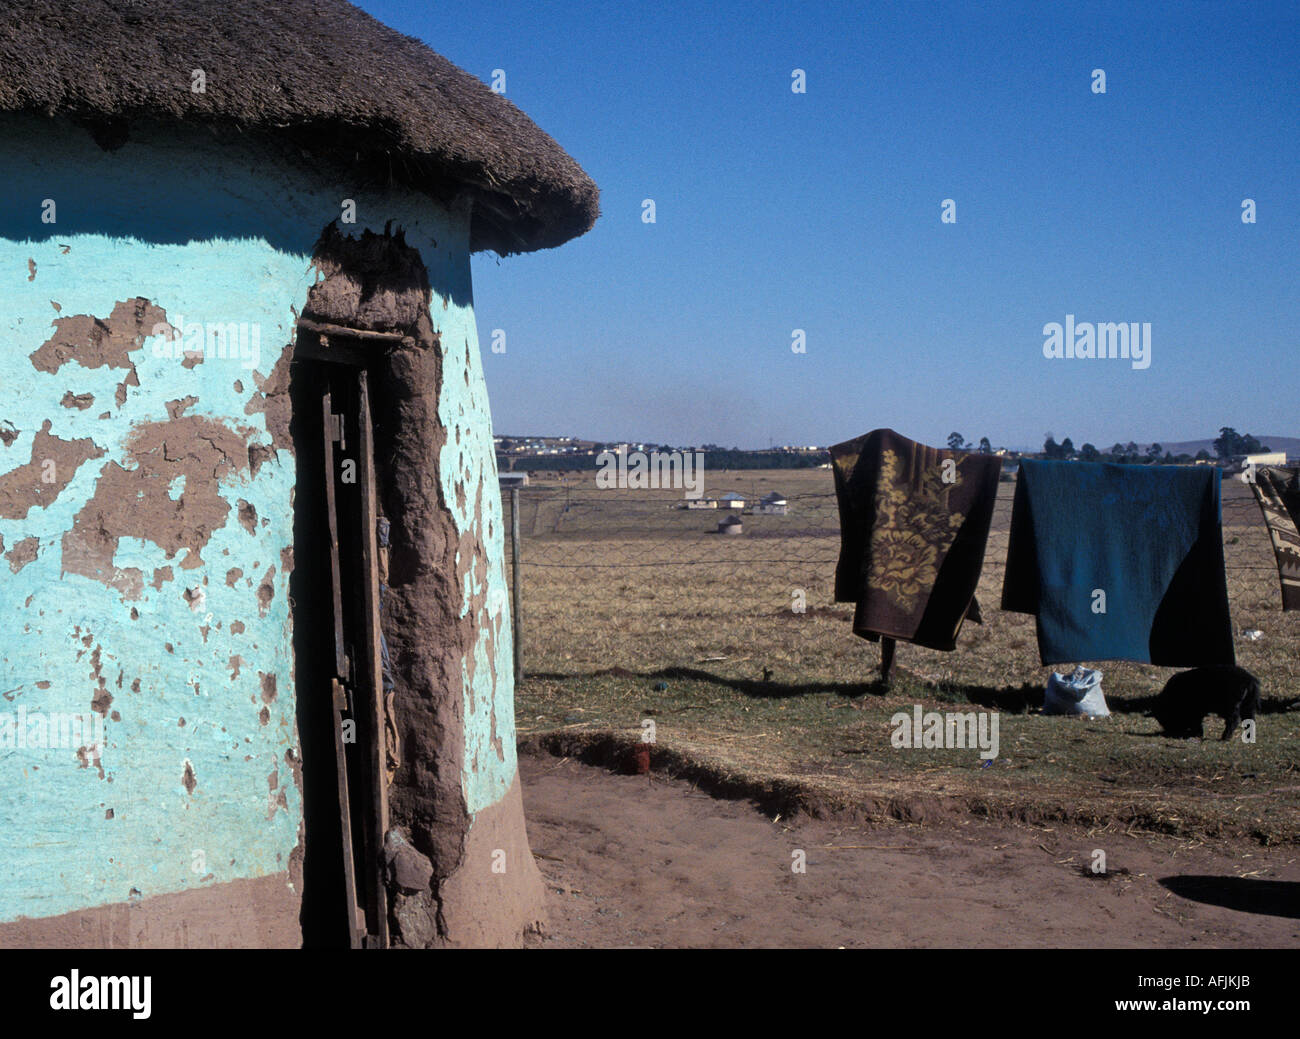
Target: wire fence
{"type": "Point", "coordinates": [586, 555]}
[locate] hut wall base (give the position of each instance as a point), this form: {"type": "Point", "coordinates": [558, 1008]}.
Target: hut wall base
{"type": "Point", "coordinates": [485, 909]}
{"type": "Point", "coordinates": [243, 914]}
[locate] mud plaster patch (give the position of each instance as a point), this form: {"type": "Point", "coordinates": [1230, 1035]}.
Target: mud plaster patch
{"type": "Point", "coordinates": [97, 343]}
{"type": "Point", "coordinates": [37, 483]}
{"type": "Point", "coordinates": [177, 408]}
{"type": "Point", "coordinates": [277, 799]}
{"type": "Point", "coordinates": [272, 400]}
{"type": "Point", "coordinates": [137, 502]}
{"type": "Point", "coordinates": [131, 380]}
{"type": "Point", "coordinates": [103, 699]}
{"type": "Point", "coordinates": [22, 553]}
{"type": "Point", "coordinates": [161, 574]}
{"type": "Point", "coordinates": [376, 282]}
{"type": "Point", "coordinates": [85, 755]}
{"type": "Point", "coordinates": [426, 636]}
{"type": "Point", "coordinates": [259, 455]}
{"type": "Point", "coordinates": [297, 856]}
{"type": "Point", "coordinates": [80, 401]}
{"type": "Point", "coordinates": [266, 591]}
{"type": "Point", "coordinates": [233, 575]}
{"type": "Point", "coordinates": [236, 627]}
{"type": "Point", "coordinates": [188, 779]}
{"type": "Point", "coordinates": [247, 516]}
{"type": "Point", "coordinates": [268, 687]}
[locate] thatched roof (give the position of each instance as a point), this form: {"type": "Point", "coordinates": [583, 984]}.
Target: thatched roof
{"type": "Point", "coordinates": [321, 73]}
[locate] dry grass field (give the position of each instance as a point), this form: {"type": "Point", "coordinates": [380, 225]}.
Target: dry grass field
{"type": "Point", "coordinates": [636, 610]}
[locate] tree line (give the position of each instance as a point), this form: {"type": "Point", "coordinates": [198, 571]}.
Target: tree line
{"type": "Point", "coordinates": [1226, 445]}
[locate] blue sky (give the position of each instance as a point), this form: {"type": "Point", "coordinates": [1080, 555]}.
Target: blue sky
{"type": "Point", "coordinates": [821, 211]}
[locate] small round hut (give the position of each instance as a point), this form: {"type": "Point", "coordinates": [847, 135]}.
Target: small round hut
{"type": "Point", "coordinates": [256, 662]}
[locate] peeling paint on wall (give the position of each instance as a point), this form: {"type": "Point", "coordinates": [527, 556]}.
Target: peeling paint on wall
{"type": "Point", "coordinates": [121, 526]}
{"type": "Point", "coordinates": [148, 569]}
{"type": "Point", "coordinates": [53, 464]}
{"type": "Point", "coordinates": [469, 463]}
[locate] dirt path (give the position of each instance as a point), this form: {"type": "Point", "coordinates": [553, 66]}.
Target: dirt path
{"type": "Point", "coordinates": [646, 861]}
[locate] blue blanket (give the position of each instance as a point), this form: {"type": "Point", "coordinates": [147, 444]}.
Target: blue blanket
{"type": "Point", "coordinates": [1120, 562]}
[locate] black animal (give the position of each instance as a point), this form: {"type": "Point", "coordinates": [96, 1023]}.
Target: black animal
{"type": "Point", "coordinates": [1230, 692]}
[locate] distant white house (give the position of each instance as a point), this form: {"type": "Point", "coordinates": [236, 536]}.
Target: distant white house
{"type": "Point", "coordinates": [773, 504]}
{"type": "Point", "coordinates": [701, 503]}
{"type": "Point", "coordinates": [1245, 465]}
{"type": "Point", "coordinates": [732, 501]}
{"type": "Point", "coordinates": [513, 479]}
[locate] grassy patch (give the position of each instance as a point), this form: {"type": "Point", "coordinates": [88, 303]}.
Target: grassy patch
{"type": "Point", "coordinates": [829, 751]}
{"type": "Point", "coordinates": [623, 595]}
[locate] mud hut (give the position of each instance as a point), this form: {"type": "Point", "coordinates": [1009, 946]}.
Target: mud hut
{"type": "Point", "coordinates": [256, 654]}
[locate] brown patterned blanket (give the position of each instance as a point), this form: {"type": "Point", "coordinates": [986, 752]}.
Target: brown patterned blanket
{"type": "Point", "coordinates": [1277, 489]}
{"type": "Point", "coordinates": [914, 522]}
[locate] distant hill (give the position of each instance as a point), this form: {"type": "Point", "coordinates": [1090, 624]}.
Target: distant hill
{"type": "Point", "coordinates": [1291, 445]}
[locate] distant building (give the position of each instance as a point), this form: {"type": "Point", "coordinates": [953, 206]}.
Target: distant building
{"type": "Point", "coordinates": [701, 503]}
{"type": "Point", "coordinates": [732, 501]}
{"type": "Point", "coordinates": [730, 525]}
{"type": "Point", "coordinates": [513, 479]}
{"type": "Point", "coordinates": [1244, 465]}
{"type": "Point", "coordinates": [773, 504]}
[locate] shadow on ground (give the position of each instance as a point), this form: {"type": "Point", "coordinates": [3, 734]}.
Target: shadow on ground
{"type": "Point", "coordinates": [1009, 699]}
{"type": "Point", "coordinates": [749, 687]}
{"type": "Point", "coordinates": [1244, 894]}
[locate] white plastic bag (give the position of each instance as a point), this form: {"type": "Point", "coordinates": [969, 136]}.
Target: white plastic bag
{"type": "Point", "coordinates": [1076, 693]}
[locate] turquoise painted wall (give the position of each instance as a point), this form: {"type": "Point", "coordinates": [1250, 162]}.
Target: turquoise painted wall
{"type": "Point", "coordinates": [488, 671]}
{"type": "Point", "coordinates": [212, 234]}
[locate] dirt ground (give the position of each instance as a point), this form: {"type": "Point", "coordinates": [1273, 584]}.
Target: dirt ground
{"type": "Point", "coordinates": [646, 861]}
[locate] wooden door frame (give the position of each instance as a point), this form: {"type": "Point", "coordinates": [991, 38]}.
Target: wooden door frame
{"type": "Point", "coordinates": [353, 351]}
